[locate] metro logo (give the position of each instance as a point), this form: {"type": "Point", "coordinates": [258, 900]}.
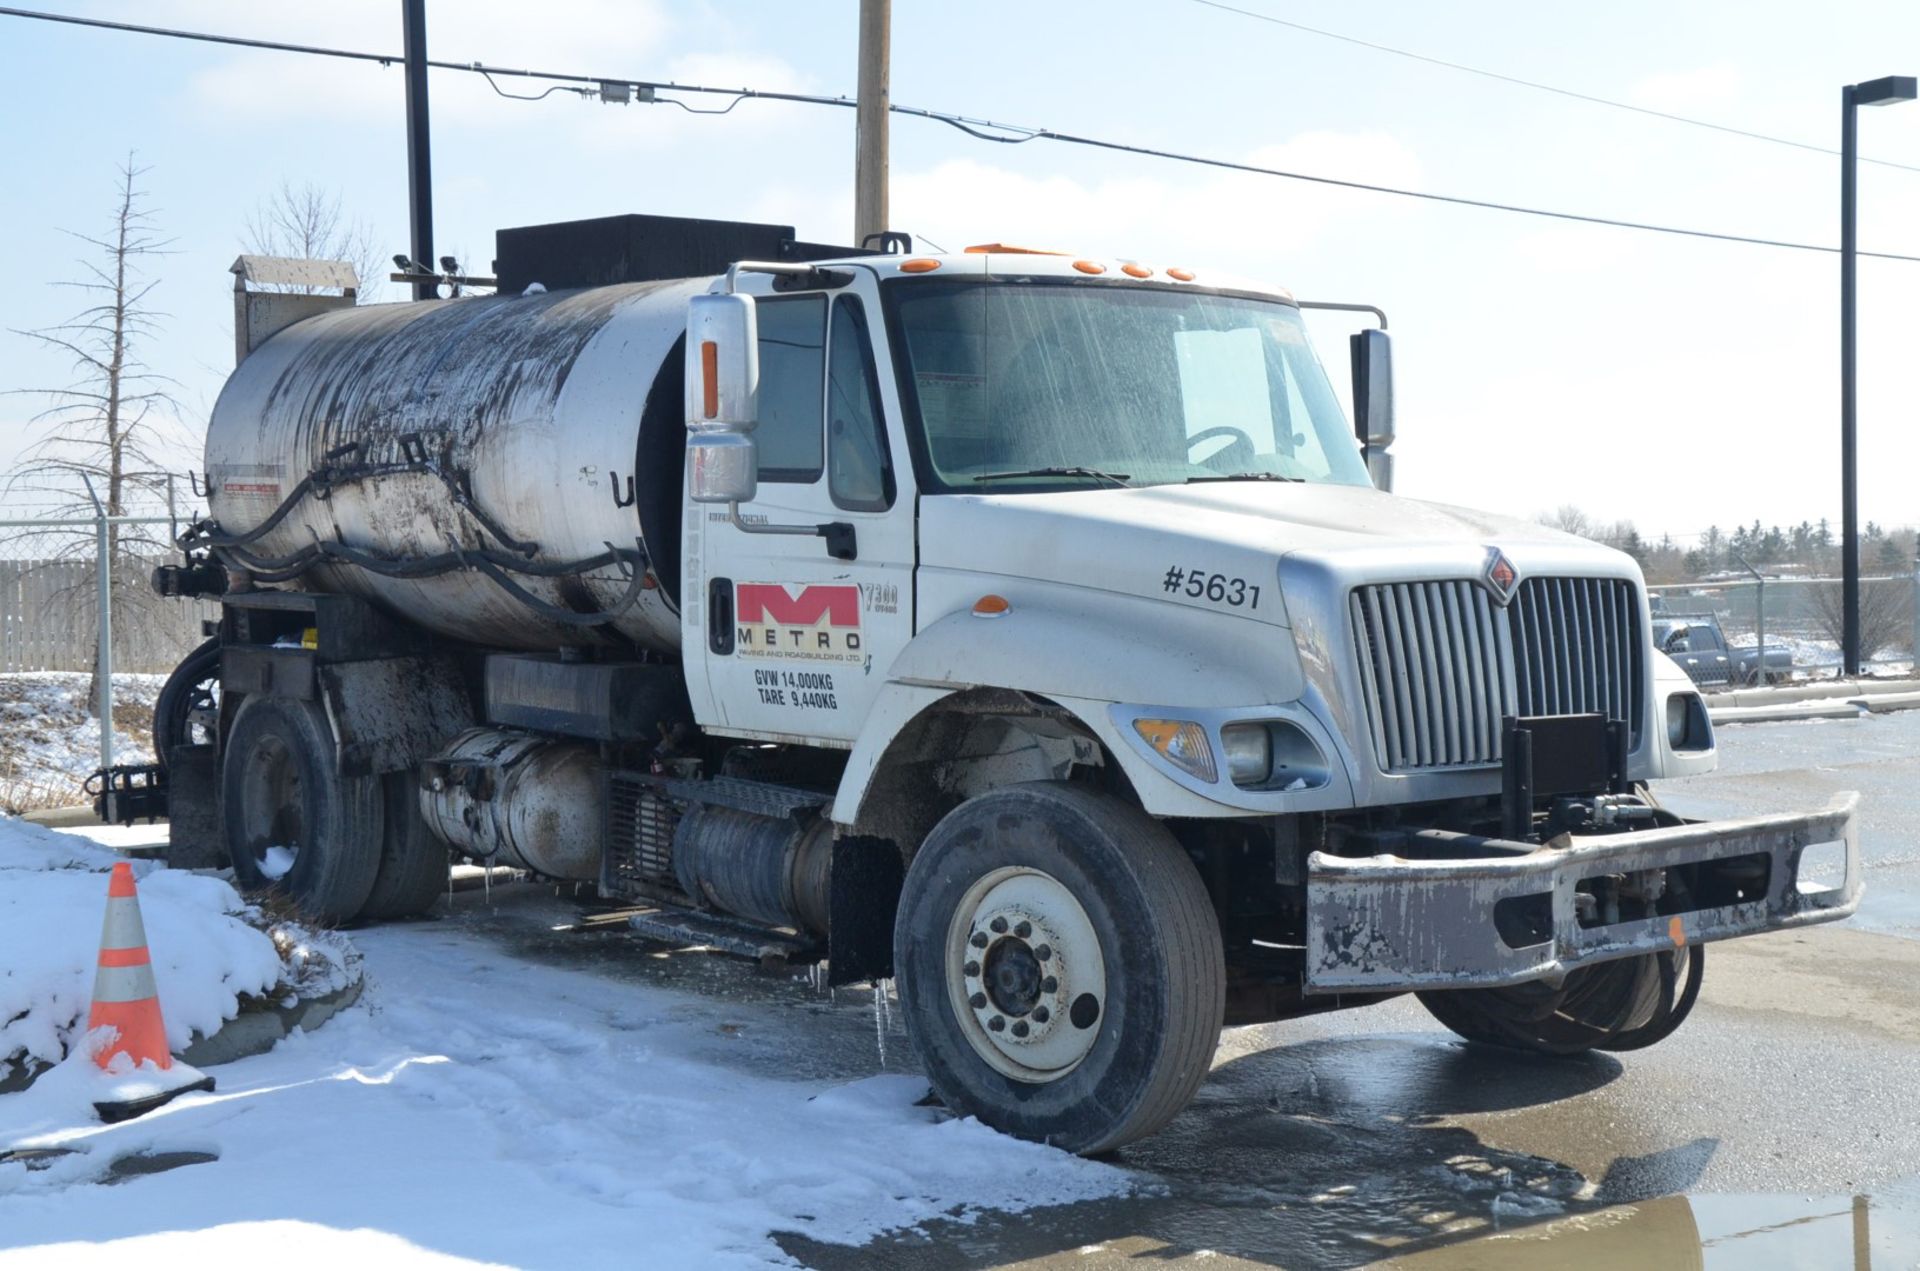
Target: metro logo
{"type": "Point", "coordinates": [759, 603]}
{"type": "Point", "coordinates": [821, 624]}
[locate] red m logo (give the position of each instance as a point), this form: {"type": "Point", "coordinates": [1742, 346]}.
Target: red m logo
{"type": "Point", "coordinates": [769, 602]}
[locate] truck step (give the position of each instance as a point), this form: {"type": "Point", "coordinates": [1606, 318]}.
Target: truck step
{"type": "Point", "coordinates": [692, 928]}
{"type": "Point", "coordinates": [758, 797]}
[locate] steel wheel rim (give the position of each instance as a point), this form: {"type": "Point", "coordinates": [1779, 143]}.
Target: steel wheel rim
{"type": "Point", "coordinates": [275, 809]}
{"type": "Point", "coordinates": [1021, 950]}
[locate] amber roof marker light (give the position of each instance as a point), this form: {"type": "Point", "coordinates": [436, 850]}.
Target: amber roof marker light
{"type": "Point", "coordinates": [919, 265]}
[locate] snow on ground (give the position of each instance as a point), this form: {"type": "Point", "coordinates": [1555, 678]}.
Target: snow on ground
{"type": "Point", "coordinates": [476, 1109]}
{"type": "Point", "coordinates": [53, 894]}
{"type": "Point", "coordinates": [50, 740]}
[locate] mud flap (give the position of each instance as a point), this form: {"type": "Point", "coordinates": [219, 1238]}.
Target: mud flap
{"type": "Point", "coordinates": [389, 714]}
{"type": "Point", "coordinates": [863, 891]}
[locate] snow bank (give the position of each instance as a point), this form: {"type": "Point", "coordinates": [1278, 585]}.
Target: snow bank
{"type": "Point", "coordinates": [50, 741]}
{"type": "Point", "coordinates": [483, 1109]}
{"type": "Point", "coordinates": [53, 893]}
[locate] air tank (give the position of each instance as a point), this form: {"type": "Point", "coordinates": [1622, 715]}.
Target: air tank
{"type": "Point", "coordinates": [437, 457]}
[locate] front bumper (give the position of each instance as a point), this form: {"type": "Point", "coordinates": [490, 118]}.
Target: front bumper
{"type": "Point", "coordinates": [1388, 923]}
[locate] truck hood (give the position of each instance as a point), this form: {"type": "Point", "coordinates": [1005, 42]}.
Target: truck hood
{"type": "Point", "coordinates": [1135, 541]}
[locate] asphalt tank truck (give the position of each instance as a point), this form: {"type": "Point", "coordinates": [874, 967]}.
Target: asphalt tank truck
{"type": "Point", "coordinates": [1038, 631]}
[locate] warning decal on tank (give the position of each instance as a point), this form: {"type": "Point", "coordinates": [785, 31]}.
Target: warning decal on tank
{"type": "Point", "coordinates": [817, 623]}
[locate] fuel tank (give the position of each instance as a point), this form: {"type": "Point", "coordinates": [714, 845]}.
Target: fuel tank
{"type": "Point", "coordinates": [437, 456]}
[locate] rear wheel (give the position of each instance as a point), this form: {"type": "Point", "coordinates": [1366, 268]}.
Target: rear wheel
{"type": "Point", "coordinates": [187, 712]}
{"type": "Point", "coordinates": [294, 825]}
{"type": "Point", "coordinates": [1060, 965]}
{"type": "Point", "coordinates": [413, 860]}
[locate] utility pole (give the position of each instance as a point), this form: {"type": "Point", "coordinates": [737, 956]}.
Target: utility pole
{"type": "Point", "coordinates": [1879, 92]}
{"type": "Point", "coordinates": [871, 120]}
{"type": "Point", "coordinates": [413, 16]}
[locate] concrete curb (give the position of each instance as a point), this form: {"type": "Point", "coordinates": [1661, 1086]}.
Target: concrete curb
{"type": "Point", "coordinates": [1825, 689]}
{"type": "Point", "coordinates": [1783, 712]}
{"type": "Point", "coordinates": [245, 1035]}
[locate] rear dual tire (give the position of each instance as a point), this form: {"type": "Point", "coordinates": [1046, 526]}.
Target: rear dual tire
{"type": "Point", "coordinates": [1080, 925]}
{"type": "Point", "coordinates": [336, 848]}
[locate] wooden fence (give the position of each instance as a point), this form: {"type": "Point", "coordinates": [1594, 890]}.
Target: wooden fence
{"type": "Point", "coordinates": [47, 610]}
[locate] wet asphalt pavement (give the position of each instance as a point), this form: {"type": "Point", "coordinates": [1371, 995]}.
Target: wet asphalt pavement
{"type": "Point", "coordinates": [1780, 1128]}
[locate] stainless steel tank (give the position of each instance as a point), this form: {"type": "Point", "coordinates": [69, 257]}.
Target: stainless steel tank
{"type": "Point", "coordinates": [435, 456]}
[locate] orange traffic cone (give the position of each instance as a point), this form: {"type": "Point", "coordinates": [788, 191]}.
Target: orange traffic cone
{"type": "Point", "coordinates": [124, 1000]}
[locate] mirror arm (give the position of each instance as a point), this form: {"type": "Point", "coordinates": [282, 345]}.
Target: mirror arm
{"type": "Point", "coordinates": [842, 544]}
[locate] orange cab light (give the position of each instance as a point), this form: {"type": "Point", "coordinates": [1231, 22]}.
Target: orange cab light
{"type": "Point", "coordinates": [1089, 266]}
{"type": "Point", "coordinates": [919, 265]}
{"type": "Point", "coordinates": [1134, 270]}
{"type": "Point", "coordinates": [980, 249]}
{"type": "Point", "coordinates": [710, 378]}
{"type": "Point", "coordinates": [991, 606]}
{"type": "Point", "coordinates": [1184, 275]}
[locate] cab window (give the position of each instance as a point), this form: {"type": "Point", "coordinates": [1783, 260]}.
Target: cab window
{"type": "Point", "coordinates": [859, 469]}
{"type": "Point", "coordinates": [792, 371]}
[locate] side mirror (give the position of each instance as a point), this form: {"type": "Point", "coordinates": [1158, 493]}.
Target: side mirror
{"type": "Point", "coordinates": [723, 380]}
{"type": "Point", "coordinates": [1373, 402]}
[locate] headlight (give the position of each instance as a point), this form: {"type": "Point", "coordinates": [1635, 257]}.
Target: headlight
{"type": "Point", "coordinates": [1688, 725]}
{"type": "Point", "coordinates": [1677, 720]}
{"type": "Point", "coordinates": [1249, 750]}
{"type": "Point", "coordinates": [1182, 743]}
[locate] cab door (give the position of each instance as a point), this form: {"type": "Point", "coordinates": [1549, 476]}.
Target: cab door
{"type": "Point", "coordinates": [796, 631]}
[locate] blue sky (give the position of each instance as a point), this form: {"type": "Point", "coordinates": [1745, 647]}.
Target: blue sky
{"type": "Point", "coordinates": [1675, 382]}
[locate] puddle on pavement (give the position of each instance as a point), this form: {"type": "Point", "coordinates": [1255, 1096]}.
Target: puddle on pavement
{"type": "Point", "coordinates": [1874, 1232]}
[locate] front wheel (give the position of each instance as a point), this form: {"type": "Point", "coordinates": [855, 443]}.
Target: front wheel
{"type": "Point", "coordinates": [1060, 965]}
{"type": "Point", "coordinates": [1628, 1004]}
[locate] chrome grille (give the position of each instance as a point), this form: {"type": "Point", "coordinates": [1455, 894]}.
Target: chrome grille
{"type": "Point", "coordinates": [1576, 648]}
{"type": "Point", "coordinates": [1442, 666]}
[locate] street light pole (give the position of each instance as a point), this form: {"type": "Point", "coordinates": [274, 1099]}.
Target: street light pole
{"type": "Point", "coordinates": [1879, 92]}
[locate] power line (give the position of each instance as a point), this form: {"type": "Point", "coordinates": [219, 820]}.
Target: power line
{"type": "Point", "coordinates": [1537, 86]}
{"type": "Point", "coordinates": [648, 91]}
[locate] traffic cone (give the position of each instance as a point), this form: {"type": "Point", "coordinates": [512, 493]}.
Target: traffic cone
{"type": "Point", "coordinates": [124, 1000]}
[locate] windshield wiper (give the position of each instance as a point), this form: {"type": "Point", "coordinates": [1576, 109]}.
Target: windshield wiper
{"type": "Point", "coordinates": [1245, 476]}
{"type": "Point", "coordinates": [1118, 478]}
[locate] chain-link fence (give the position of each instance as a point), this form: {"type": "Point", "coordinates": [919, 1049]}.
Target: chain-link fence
{"type": "Point", "coordinates": [91, 610]}
{"type": "Point", "coordinates": [1716, 629]}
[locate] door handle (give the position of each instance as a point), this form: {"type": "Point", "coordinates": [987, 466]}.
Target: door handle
{"type": "Point", "coordinates": [720, 616]}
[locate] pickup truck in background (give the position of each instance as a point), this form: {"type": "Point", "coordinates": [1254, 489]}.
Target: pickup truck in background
{"type": "Point", "coordinates": [1696, 642]}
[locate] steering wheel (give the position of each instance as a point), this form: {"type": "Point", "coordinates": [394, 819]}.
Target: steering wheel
{"type": "Point", "coordinates": [1239, 440]}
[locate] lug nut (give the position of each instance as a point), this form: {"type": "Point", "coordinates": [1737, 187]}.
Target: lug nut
{"type": "Point", "coordinates": [970, 970]}
{"type": "Point", "coordinates": [1041, 1015]}
{"type": "Point", "coordinates": [997, 1023]}
{"type": "Point", "coordinates": [978, 1001]}
{"type": "Point", "coordinates": [979, 940]}
{"type": "Point", "coordinates": [1019, 1028]}
{"type": "Point", "coordinates": [1043, 951]}
{"type": "Point", "coordinates": [999, 926]}
{"type": "Point", "coordinates": [1024, 930]}
{"type": "Point", "coordinates": [1049, 985]}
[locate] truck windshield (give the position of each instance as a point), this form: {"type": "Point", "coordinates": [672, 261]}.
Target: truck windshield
{"type": "Point", "coordinates": [1045, 385]}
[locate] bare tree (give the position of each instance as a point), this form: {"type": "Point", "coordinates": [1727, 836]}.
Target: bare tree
{"type": "Point", "coordinates": [1569, 519]}
{"type": "Point", "coordinates": [101, 428]}
{"type": "Point", "coordinates": [1886, 613]}
{"type": "Point", "coordinates": [305, 222]}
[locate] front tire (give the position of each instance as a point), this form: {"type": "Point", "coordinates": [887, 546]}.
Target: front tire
{"type": "Point", "coordinates": [1078, 924]}
{"type": "Point", "coordinates": [294, 825]}
{"type": "Point", "coordinates": [1626, 1004]}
